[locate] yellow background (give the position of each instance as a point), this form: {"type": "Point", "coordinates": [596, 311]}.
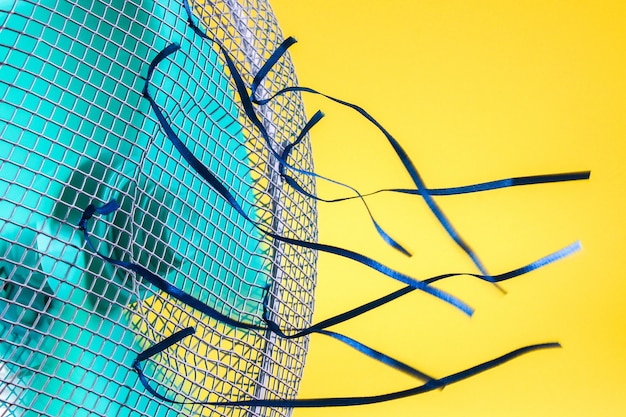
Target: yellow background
{"type": "Point", "coordinates": [475, 91]}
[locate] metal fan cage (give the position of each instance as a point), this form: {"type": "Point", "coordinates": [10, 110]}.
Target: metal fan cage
{"type": "Point", "coordinates": [74, 129]}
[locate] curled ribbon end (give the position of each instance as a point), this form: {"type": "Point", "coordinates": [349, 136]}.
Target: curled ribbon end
{"type": "Point", "coordinates": [109, 207]}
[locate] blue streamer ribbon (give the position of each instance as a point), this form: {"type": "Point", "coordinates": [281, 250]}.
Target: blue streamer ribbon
{"type": "Point", "coordinates": [220, 188]}
{"type": "Point", "coordinates": [248, 107]}
{"type": "Point", "coordinates": [399, 150]}
{"type": "Point", "coordinates": [200, 306]}
{"type": "Point", "coordinates": [479, 187]}
{"type": "Point", "coordinates": [318, 328]}
{"type": "Point", "coordinates": [151, 277]}
{"type": "Point", "coordinates": [497, 184]}
{"type": "Point", "coordinates": [430, 385]}
{"type": "Point", "coordinates": [355, 312]}
{"type": "Point", "coordinates": [197, 304]}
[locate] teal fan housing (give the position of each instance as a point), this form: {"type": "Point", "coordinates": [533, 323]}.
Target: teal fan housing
{"type": "Point", "coordinates": [75, 130]}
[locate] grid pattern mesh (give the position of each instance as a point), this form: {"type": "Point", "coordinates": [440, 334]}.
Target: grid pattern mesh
{"type": "Point", "coordinates": [74, 129]}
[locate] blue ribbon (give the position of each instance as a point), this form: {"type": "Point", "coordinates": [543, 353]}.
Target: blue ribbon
{"type": "Point", "coordinates": [379, 356]}
{"type": "Point", "coordinates": [430, 385]}
{"type": "Point", "coordinates": [248, 107]}
{"type": "Point", "coordinates": [200, 306]}
{"type": "Point", "coordinates": [197, 304]}
{"type": "Point", "coordinates": [400, 152]}
{"type": "Point", "coordinates": [497, 184]}
{"type": "Point", "coordinates": [272, 326]}
{"type": "Point", "coordinates": [480, 187]}
{"type": "Point", "coordinates": [214, 182]}
{"type": "Point", "coordinates": [355, 312]}
{"type": "Point", "coordinates": [151, 277]}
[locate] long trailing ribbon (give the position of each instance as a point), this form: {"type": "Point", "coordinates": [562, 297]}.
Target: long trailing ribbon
{"type": "Point", "coordinates": [340, 318]}
{"type": "Point", "coordinates": [220, 188]}
{"type": "Point", "coordinates": [399, 150]}
{"type": "Point", "coordinates": [248, 107]}
{"type": "Point", "coordinates": [430, 385]}
{"type": "Point", "coordinates": [150, 276]}
{"type": "Point", "coordinates": [199, 305]}
{"type": "Point", "coordinates": [319, 328]}
{"type": "Point", "coordinates": [449, 191]}
{"type": "Point", "coordinates": [204, 308]}
{"type": "Point", "coordinates": [475, 188]}
{"type": "Point", "coordinates": [503, 183]}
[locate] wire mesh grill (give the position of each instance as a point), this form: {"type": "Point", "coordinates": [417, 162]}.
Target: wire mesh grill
{"type": "Point", "coordinates": [74, 129]}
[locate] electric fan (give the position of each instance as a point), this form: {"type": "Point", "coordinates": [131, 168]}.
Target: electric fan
{"type": "Point", "coordinates": [75, 130]}
{"type": "Point", "coordinates": [158, 233]}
